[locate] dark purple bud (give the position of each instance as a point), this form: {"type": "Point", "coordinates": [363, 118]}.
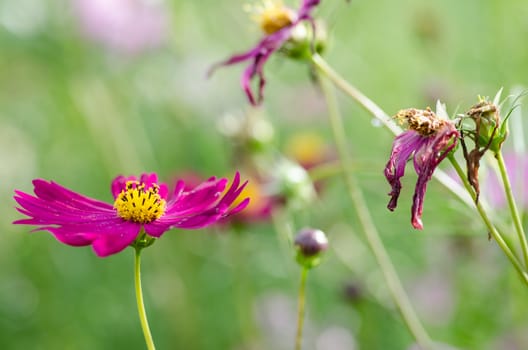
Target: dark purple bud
{"type": "Point", "coordinates": [311, 242]}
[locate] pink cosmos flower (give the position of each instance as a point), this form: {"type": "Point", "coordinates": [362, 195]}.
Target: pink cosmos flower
{"type": "Point", "coordinates": [141, 206]}
{"type": "Point", "coordinates": [428, 141]}
{"type": "Point", "coordinates": [278, 23]}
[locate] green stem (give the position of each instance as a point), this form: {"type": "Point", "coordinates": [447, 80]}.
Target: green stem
{"type": "Point", "coordinates": [513, 206]}
{"type": "Point", "coordinates": [241, 300]}
{"type": "Point", "coordinates": [385, 119]}
{"type": "Point", "coordinates": [369, 229]}
{"type": "Point", "coordinates": [323, 171]}
{"type": "Point", "coordinates": [356, 95]}
{"type": "Point", "coordinates": [300, 308]}
{"type": "Point", "coordinates": [140, 303]}
{"type": "Point", "coordinates": [491, 228]}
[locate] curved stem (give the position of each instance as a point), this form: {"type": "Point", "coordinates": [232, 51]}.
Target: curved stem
{"type": "Point", "coordinates": [385, 119]}
{"type": "Point", "coordinates": [140, 303]}
{"type": "Point", "coordinates": [491, 228]}
{"type": "Point", "coordinates": [350, 90]}
{"type": "Point", "coordinates": [369, 229]}
{"type": "Point", "coordinates": [441, 176]}
{"type": "Point", "coordinates": [513, 207]}
{"type": "Point", "coordinates": [300, 308]}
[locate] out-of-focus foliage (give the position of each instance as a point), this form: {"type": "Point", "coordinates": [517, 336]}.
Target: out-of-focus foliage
{"type": "Point", "coordinates": [79, 108]}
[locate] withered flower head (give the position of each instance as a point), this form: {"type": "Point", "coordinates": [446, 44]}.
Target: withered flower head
{"type": "Point", "coordinates": [428, 141]}
{"type": "Point", "coordinates": [487, 132]}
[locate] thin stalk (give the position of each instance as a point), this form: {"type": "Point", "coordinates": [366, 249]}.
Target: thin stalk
{"type": "Point", "coordinates": [441, 176]}
{"type": "Point", "coordinates": [513, 207]}
{"type": "Point", "coordinates": [140, 304]}
{"type": "Point", "coordinates": [356, 95]}
{"type": "Point", "coordinates": [300, 308]}
{"type": "Point", "coordinates": [491, 228]}
{"type": "Point", "coordinates": [369, 229]}
{"type": "Point", "coordinates": [332, 168]}
{"type": "Point", "coordinates": [323, 171]}
{"type": "Point", "coordinates": [385, 119]}
{"type": "Point", "coordinates": [241, 286]}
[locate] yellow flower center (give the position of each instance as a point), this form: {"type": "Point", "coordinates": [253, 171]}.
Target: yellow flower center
{"type": "Point", "coordinates": [306, 148]}
{"type": "Point", "coordinates": [425, 122]}
{"type": "Point", "coordinates": [254, 191]}
{"type": "Point", "coordinates": [272, 15]}
{"type": "Point", "coordinates": [138, 204]}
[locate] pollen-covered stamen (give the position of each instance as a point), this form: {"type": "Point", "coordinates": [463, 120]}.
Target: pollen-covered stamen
{"type": "Point", "coordinates": [425, 122]}
{"type": "Point", "coordinates": [272, 16]}
{"type": "Point", "coordinates": [140, 204]}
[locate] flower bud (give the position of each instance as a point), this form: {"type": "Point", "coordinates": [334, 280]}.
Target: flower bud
{"type": "Point", "coordinates": [310, 243]}
{"type": "Point", "coordinates": [490, 131]}
{"type": "Point", "coordinates": [292, 184]}
{"type": "Point", "coordinates": [302, 42]}
{"type": "Point", "coordinates": [249, 130]}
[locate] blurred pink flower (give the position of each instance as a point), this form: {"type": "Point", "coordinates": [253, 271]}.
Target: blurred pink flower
{"type": "Point", "coordinates": [517, 168]}
{"type": "Point", "coordinates": [127, 26]}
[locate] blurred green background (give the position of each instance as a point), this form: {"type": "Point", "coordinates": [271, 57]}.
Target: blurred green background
{"type": "Point", "coordinates": [80, 105]}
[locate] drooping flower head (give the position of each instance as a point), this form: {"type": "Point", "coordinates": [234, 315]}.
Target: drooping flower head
{"type": "Point", "coordinates": [142, 208]}
{"type": "Point", "coordinates": [428, 141]}
{"type": "Point", "coordinates": [278, 23]}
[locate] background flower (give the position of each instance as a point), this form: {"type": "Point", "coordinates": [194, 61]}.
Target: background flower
{"type": "Point", "coordinates": [278, 23]}
{"type": "Point", "coordinates": [493, 189]}
{"type": "Point", "coordinates": [127, 26]}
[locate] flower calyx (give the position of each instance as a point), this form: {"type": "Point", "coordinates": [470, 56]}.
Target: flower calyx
{"type": "Point", "coordinates": [487, 131]}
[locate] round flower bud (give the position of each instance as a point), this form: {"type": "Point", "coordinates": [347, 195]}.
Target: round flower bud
{"type": "Point", "coordinates": [303, 43]}
{"type": "Point", "coordinates": [310, 243]}
{"type": "Point", "coordinates": [491, 130]}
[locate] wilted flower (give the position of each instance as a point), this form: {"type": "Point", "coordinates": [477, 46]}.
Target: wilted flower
{"type": "Point", "coordinates": [488, 133]}
{"type": "Point", "coordinates": [278, 22]}
{"type": "Point", "coordinates": [428, 141]}
{"type": "Point", "coordinates": [141, 207]}
{"type": "Point", "coordinates": [128, 26]}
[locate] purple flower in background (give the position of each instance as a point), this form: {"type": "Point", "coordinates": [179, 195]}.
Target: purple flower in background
{"type": "Point", "coordinates": [141, 205]}
{"type": "Point", "coordinates": [129, 26]}
{"type": "Point", "coordinates": [428, 141]}
{"type": "Point", "coordinates": [278, 23]}
{"type": "Point", "coordinates": [517, 168]}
